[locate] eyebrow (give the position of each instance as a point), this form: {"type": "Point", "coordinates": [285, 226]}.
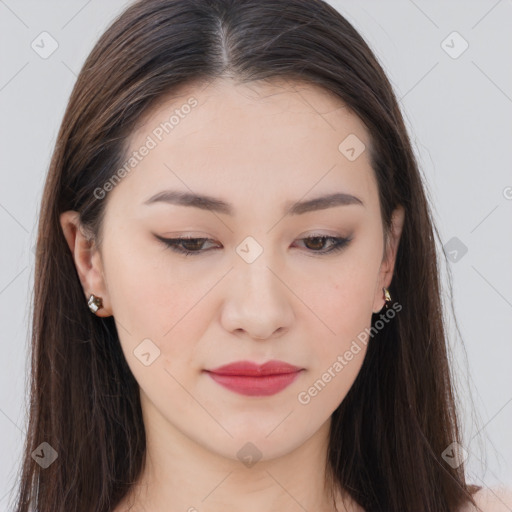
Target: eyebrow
{"type": "Point", "coordinates": [205, 202]}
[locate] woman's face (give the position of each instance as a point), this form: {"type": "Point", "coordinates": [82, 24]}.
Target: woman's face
{"type": "Point", "coordinates": [258, 289]}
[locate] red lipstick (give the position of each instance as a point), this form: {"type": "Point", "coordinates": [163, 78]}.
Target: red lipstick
{"type": "Point", "coordinates": [248, 378]}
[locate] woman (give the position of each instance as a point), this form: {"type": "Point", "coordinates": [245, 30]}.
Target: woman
{"type": "Point", "coordinates": [237, 301]}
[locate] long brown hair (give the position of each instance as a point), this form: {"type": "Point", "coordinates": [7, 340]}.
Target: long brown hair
{"type": "Point", "coordinates": [388, 434]}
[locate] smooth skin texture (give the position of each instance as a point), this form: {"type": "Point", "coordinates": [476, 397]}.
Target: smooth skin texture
{"type": "Point", "coordinates": [256, 146]}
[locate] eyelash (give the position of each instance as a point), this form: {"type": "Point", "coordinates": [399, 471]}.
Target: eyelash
{"type": "Point", "coordinates": [173, 243]}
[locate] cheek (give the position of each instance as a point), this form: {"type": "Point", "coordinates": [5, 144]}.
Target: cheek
{"type": "Point", "coordinates": [145, 291]}
{"type": "Point", "coordinates": [346, 314]}
{"type": "Point", "coordinates": [150, 301]}
{"type": "Point", "coordinates": [161, 317]}
{"type": "Point", "coordinates": [342, 295]}
{"type": "Point", "coordinates": [342, 299]}
{"type": "Point", "coordinates": [341, 342]}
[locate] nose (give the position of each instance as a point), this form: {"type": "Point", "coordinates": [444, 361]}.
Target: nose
{"type": "Point", "coordinates": [257, 301]}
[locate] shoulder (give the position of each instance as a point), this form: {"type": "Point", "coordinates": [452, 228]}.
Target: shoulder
{"type": "Point", "coordinates": [491, 499]}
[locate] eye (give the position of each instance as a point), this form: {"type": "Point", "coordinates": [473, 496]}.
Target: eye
{"type": "Point", "coordinates": [336, 243]}
{"type": "Point", "coordinates": [185, 245]}
{"type": "Point", "coordinates": [192, 245]}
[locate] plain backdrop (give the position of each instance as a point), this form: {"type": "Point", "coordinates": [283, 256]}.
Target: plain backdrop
{"type": "Point", "coordinates": [450, 64]}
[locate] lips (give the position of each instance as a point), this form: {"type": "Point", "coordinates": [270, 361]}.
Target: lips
{"type": "Point", "coordinates": [248, 378]}
{"type": "Point", "coordinates": [250, 369]}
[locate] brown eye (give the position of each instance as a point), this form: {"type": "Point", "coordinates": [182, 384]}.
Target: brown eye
{"type": "Point", "coordinates": [317, 243]}
{"type": "Point", "coordinates": [185, 245]}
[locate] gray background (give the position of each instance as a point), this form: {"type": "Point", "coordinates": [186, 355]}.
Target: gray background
{"type": "Point", "coordinates": [458, 111]}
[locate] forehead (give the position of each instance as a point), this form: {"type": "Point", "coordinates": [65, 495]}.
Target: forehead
{"type": "Point", "coordinates": [258, 137]}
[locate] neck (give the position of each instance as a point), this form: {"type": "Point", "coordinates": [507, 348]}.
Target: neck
{"type": "Point", "coordinates": [181, 475]}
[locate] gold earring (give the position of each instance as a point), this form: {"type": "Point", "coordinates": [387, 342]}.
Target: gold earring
{"type": "Point", "coordinates": [387, 297]}
{"type": "Point", "coordinates": [94, 303]}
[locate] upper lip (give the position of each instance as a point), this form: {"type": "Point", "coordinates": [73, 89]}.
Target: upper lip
{"type": "Point", "coordinates": [251, 369]}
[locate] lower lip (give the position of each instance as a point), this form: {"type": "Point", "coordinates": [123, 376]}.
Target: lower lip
{"type": "Point", "coordinates": [266, 385]}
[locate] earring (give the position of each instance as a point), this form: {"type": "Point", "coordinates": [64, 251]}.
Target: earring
{"type": "Point", "coordinates": [94, 303]}
{"type": "Point", "coordinates": [387, 297]}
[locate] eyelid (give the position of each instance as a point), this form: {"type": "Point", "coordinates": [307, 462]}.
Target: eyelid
{"type": "Point", "coordinates": [338, 243]}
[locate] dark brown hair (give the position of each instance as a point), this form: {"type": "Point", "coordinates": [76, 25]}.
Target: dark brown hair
{"type": "Point", "coordinates": [388, 434]}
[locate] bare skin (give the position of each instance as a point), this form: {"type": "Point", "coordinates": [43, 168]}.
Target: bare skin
{"type": "Point", "coordinates": [257, 147]}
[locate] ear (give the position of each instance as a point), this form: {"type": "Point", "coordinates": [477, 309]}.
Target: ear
{"type": "Point", "coordinates": [388, 262]}
{"type": "Point", "coordinates": [87, 260]}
